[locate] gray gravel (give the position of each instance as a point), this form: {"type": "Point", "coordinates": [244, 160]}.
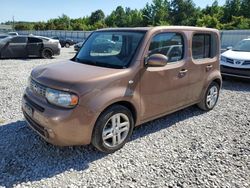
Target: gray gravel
{"type": "Point", "coordinates": [186, 149]}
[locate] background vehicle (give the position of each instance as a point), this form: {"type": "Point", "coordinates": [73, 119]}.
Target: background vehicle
{"type": "Point", "coordinates": [3, 36]}
{"type": "Point", "coordinates": [12, 33]}
{"type": "Point", "coordinates": [28, 46]}
{"type": "Point", "coordinates": [235, 62]}
{"type": "Point", "coordinates": [65, 42]}
{"type": "Point", "coordinates": [77, 46]}
{"type": "Point", "coordinates": [101, 94]}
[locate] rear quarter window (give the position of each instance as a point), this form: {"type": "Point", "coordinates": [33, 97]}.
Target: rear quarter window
{"type": "Point", "coordinates": [204, 45]}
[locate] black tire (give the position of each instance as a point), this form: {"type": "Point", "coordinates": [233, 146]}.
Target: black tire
{"type": "Point", "coordinates": [67, 45]}
{"type": "Point", "coordinates": [204, 104]}
{"type": "Point", "coordinates": [103, 121]}
{"type": "Point", "coordinates": [47, 53]}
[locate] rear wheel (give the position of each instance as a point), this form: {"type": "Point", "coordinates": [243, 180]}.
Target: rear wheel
{"type": "Point", "coordinates": [113, 128]}
{"type": "Point", "coordinates": [211, 97]}
{"type": "Point", "coordinates": [47, 53]}
{"type": "Point", "coordinates": [67, 45]}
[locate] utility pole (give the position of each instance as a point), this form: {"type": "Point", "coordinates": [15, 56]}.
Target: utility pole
{"type": "Point", "coordinates": [13, 23]}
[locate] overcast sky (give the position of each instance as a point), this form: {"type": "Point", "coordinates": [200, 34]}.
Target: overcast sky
{"type": "Point", "coordinates": [42, 10]}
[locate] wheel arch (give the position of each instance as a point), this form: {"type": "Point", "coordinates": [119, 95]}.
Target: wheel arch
{"type": "Point", "coordinates": [47, 48]}
{"type": "Point", "coordinates": [131, 107]}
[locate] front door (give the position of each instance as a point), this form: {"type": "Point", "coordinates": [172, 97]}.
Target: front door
{"type": "Point", "coordinates": [164, 89]}
{"type": "Point", "coordinates": [16, 48]}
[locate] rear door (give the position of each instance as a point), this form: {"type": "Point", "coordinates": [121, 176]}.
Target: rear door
{"type": "Point", "coordinates": [203, 62]}
{"type": "Point", "coordinates": [34, 47]}
{"type": "Point", "coordinates": [16, 48]}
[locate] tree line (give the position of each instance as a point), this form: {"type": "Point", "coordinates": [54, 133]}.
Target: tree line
{"type": "Point", "coordinates": [234, 14]}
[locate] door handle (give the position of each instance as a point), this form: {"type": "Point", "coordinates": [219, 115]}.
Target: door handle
{"type": "Point", "coordinates": [183, 72]}
{"type": "Point", "coordinates": [209, 67]}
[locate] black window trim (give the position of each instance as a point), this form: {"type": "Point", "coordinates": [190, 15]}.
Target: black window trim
{"type": "Point", "coordinates": [183, 42]}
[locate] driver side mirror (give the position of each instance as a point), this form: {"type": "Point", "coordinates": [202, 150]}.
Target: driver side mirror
{"type": "Point", "coordinates": [229, 48]}
{"type": "Point", "coordinates": [156, 60]}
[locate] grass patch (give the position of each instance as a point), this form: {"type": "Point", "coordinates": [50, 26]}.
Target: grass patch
{"type": "Point", "coordinates": [2, 121]}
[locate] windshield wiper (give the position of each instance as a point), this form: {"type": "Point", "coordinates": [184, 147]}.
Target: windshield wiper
{"type": "Point", "coordinates": [97, 63]}
{"type": "Point", "coordinates": [86, 61]}
{"type": "Point", "coordinates": [240, 50]}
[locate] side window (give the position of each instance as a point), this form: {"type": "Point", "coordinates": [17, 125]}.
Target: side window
{"type": "Point", "coordinates": [18, 40]}
{"type": "Point", "coordinates": [204, 46]}
{"type": "Point", "coordinates": [169, 44]}
{"type": "Point", "coordinates": [34, 40]}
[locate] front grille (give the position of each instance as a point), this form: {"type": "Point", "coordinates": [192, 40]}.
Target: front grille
{"type": "Point", "coordinates": [37, 88]}
{"type": "Point", "coordinates": [33, 104]}
{"type": "Point", "coordinates": [231, 61]}
{"type": "Point", "coordinates": [246, 63]}
{"type": "Point", "coordinates": [236, 71]}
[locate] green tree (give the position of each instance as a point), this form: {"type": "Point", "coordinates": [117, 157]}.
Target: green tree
{"type": "Point", "coordinates": [40, 26]}
{"type": "Point", "coordinates": [211, 16]}
{"type": "Point", "coordinates": [245, 8]}
{"type": "Point", "coordinates": [97, 16]}
{"type": "Point", "coordinates": [183, 12]}
{"type": "Point", "coordinates": [117, 18]}
{"type": "Point", "coordinates": [24, 26]}
{"type": "Point", "coordinates": [156, 13]}
{"type": "Point", "coordinates": [209, 21]}
{"type": "Point", "coordinates": [231, 8]}
{"type": "Point", "coordinates": [238, 22]}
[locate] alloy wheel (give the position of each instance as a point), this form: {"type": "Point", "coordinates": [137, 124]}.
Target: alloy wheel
{"type": "Point", "coordinates": [116, 130]}
{"type": "Point", "coordinates": [212, 97]}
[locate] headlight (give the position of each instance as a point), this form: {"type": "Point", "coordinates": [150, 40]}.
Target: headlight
{"type": "Point", "coordinates": [222, 58]}
{"type": "Point", "coordinates": [61, 98]}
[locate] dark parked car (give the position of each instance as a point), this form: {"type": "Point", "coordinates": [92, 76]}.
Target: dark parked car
{"type": "Point", "coordinates": [78, 46]}
{"type": "Point", "coordinates": [28, 46]}
{"type": "Point", "coordinates": [3, 36]}
{"type": "Point", "coordinates": [65, 42]}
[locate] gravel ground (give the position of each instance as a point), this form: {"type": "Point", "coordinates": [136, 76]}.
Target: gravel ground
{"type": "Point", "coordinates": [186, 149]}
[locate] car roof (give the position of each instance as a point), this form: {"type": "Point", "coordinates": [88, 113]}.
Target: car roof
{"type": "Point", "coordinates": [247, 38]}
{"type": "Point", "coordinates": [145, 29]}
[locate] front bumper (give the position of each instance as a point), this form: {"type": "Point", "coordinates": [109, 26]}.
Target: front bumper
{"type": "Point", "coordinates": [235, 72]}
{"type": "Point", "coordinates": [57, 51]}
{"type": "Point", "coordinates": [63, 127]}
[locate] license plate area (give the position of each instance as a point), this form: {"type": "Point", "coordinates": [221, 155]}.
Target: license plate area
{"type": "Point", "coordinates": [28, 109]}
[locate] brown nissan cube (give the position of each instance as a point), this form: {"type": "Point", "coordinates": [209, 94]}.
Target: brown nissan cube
{"type": "Point", "coordinates": [119, 79]}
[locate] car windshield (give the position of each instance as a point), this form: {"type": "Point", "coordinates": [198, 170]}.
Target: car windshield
{"type": "Point", "coordinates": [243, 45]}
{"type": "Point", "coordinates": [113, 49]}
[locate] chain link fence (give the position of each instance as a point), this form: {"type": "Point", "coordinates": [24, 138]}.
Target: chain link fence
{"type": "Point", "coordinates": [231, 37]}
{"type": "Point", "coordinates": [228, 38]}
{"type": "Point", "coordinates": [77, 36]}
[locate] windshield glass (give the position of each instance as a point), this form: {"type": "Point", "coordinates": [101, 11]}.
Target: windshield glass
{"type": "Point", "coordinates": [243, 45]}
{"type": "Point", "coordinates": [113, 49]}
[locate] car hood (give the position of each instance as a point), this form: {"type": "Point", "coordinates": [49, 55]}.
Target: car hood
{"type": "Point", "coordinates": [70, 75]}
{"type": "Point", "coordinates": [236, 55]}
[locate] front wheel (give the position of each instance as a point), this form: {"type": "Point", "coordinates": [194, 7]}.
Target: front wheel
{"type": "Point", "coordinates": [113, 129]}
{"type": "Point", "coordinates": [211, 97]}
